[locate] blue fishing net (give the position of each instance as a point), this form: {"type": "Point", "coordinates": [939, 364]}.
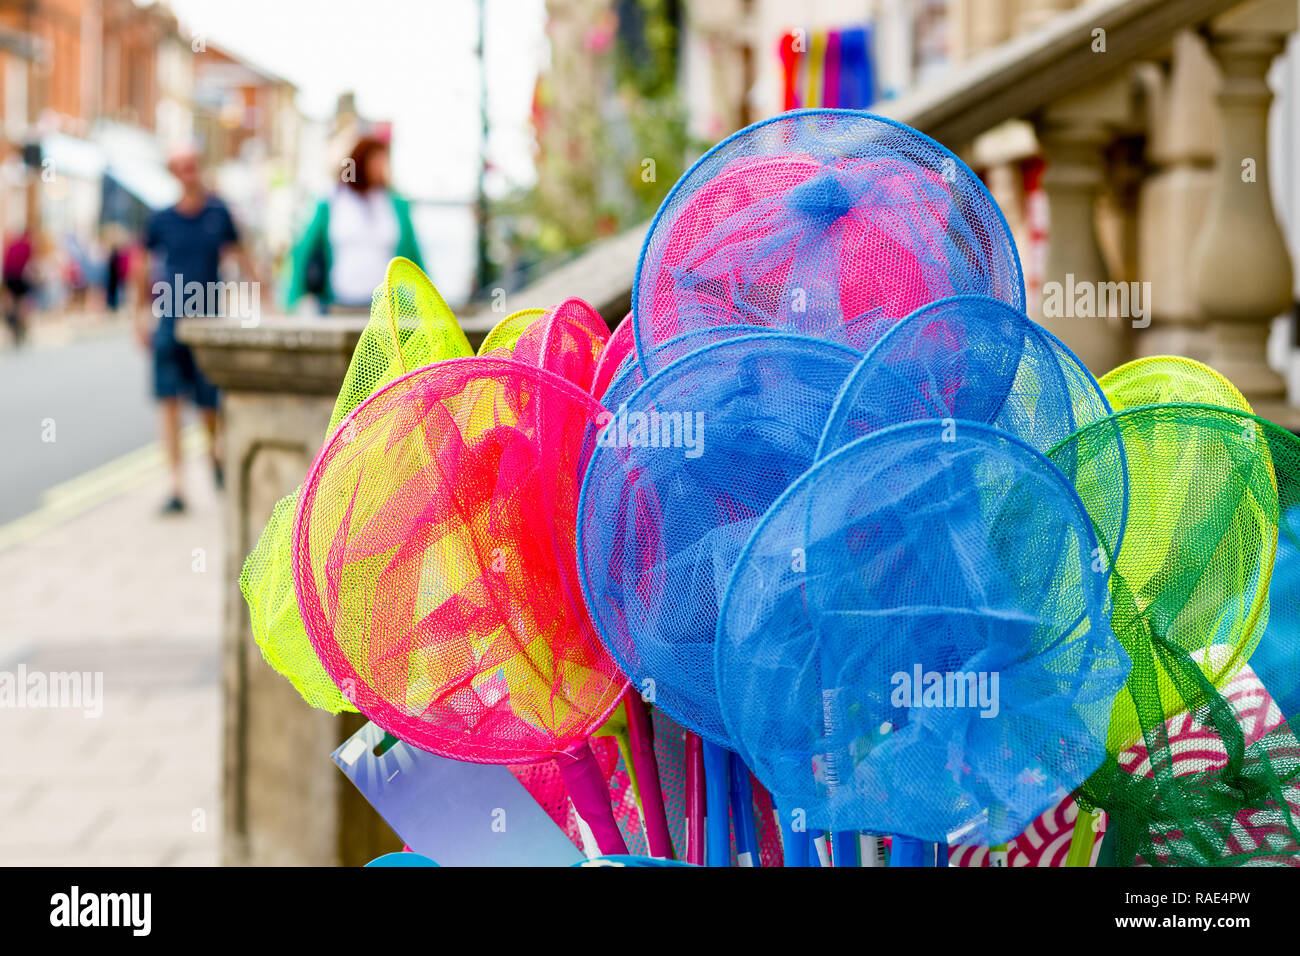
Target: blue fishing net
{"type": "Point", "coordinates": [630, 377]}
{"type": "Point", "coordinates": [833, 223]}
{"type": "Point", "coordinates": [676, 484]}
{"type": "Point", "coordinates": [914, 640]}
{"type": "Point", "coordinates": [973, 358]}
{"type": "Point", "coordinates": [1277, 658]}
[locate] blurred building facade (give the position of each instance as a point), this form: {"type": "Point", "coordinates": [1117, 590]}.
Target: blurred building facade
{"type": "Point", "coordinates": [250, 131]}
{"type": "Point", "coordinates": [611, 133]}
{"type": "Point", "coordinates": [94, 93]}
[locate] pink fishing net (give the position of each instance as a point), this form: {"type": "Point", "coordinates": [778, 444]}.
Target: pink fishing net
{"type": "Point", "coordinates": [434, 561]}
{"type": "Point", "coordinates": [618, 350]}
{"type": "Point", "coordinates": [568, 341]}
{"type": "Point", "coordinates": [832, 223]}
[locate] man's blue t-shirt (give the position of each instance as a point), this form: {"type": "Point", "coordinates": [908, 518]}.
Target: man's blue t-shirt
{"type": "Point", "coordinates": [189, 247]}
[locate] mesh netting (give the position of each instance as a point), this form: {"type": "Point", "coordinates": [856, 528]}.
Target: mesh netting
{"type": "Point", "coordinates": [505, 334]}
{"type": "Point", "coordinates": [1200, 771]}
{"type": "Point", "coordinates": [630, 377]}
{"type": "Point", "coordinates": [617, 350]}
{"type": "Point", "coordinates": [1169, 378]}
{"type": "Point", "coordinates": [931, 659]}
{"type": "Point", "coordinates": [567, 340]}
{"type": "Point", "coordinates": [974, 358]}
{"type": "Point", "coordinates": [833, 223]}
{"type": "Point", "coordinates": [1045, 842]}
{"type": "Point", "coordinates": [1193, 557]}
{"type": "Point", "coordinates": [680, 477]}
{"type": "Point", "coordinates": [433, 555]}
{"type": "Point", "coordinates": [410, 326]}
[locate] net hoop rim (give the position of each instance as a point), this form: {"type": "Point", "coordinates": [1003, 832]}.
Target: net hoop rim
{"type": "Point", "coordinates": [814, 472]}
{"type": "Point", "coordinates": [1249, 625]}
{"type": "Point", "coordinates": [1215, 376]}
{"type": "Point", "coordinates": [747, 331]}
{"type": "Point", "coordinates": [1026, 322]}
{"type": "Point", "coordinates": [307, 495]}
{"type": "Point", "coordinates": [982, 189]}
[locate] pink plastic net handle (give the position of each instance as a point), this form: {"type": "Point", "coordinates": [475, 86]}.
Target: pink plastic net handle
{"type": "Point", "coordinates": [587, 789]}
{"type": "Point", "coordinates": [641, 732]}
{"type": "Point", "coordinates": [694, 800]}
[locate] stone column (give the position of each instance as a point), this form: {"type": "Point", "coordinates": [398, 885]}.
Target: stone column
{"type": "Point", "coordinates": [1175, 196]}
{"type": "Point", "coordinates": [1072, 134]}
{"type": "Point", "coordinates": [1241, 264]}
{"type": "Point", "coordinates": [284, 801]}
{"type": "Point", "coordinates": [989, 23]}
{"type": "Point", "coordinates": [1034, 13]}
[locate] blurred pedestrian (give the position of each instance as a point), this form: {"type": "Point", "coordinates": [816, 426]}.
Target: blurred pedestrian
{"type": "Point", "coordinates": [353, 234]}
{"type": "Point", "coordinates": [184, 248]}
{"type": "Point", "coordinates": [117, 267]}
{"type": "Point", "coordinates": [78, 271]}
{"type": "Point", "coordinates": [17, 268]}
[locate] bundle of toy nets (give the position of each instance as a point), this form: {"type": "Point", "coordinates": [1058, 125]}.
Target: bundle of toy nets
{"type": "Point", "coordinates": [1203, 765]}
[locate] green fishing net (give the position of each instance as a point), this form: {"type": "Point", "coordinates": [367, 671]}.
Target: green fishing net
{"type": "Point", "coordinates": [410, 326]}
{"type": "Point", "coordinates": [1202, 765]}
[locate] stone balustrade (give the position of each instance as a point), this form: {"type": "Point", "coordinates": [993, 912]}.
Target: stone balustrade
{"type": "Point", "coordinates": [284, 802]}
{"type": "Point", "coordinates": [1190, 218]}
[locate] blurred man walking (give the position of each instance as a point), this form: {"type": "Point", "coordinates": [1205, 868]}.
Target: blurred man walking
{"type": "Point", "coordinates": [184, 248]}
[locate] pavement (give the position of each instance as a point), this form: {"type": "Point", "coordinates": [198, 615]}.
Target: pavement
{"type": "Point", "coordinates": [95, 582]}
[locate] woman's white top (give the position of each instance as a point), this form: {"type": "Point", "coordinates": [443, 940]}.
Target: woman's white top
{"type": "Point", "coordinates": [363, 234]}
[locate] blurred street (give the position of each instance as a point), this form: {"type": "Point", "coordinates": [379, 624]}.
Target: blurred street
{"type": "Point", "coordinates": [88, 380]}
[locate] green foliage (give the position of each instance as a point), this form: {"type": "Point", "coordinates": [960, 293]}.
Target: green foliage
{"type": "Point", "coordinates": [606, 164]}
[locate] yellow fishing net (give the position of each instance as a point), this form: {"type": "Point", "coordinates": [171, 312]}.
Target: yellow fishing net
{"type": "Point", "coordinates": [1169, 378]}
{"type": "Point", "coordinates": [410, 326]}
{"type": "Point", "coordinates": [1185, 483]}
{"type": "Point", "coordinates": [506, 333]}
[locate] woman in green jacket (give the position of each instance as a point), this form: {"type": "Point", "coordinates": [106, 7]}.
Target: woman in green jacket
{"type": "Point", "coordinates": [353, 234]}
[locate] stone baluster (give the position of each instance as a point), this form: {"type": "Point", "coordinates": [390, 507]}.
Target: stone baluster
{"type": "Point", "coordinates": [1073, 134]}
{"type": "Point", "coordinates": [1034, 13]}
{"type": "Point", "coordinates": [1175, 196]}
{"type": "Point", "coordinates": [1241, 265]}
{"type": "Point", "coordinates": [989, 23]}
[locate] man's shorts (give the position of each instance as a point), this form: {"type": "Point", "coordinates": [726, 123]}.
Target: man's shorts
{"type": "Point", "coordinates": [175, 374]}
